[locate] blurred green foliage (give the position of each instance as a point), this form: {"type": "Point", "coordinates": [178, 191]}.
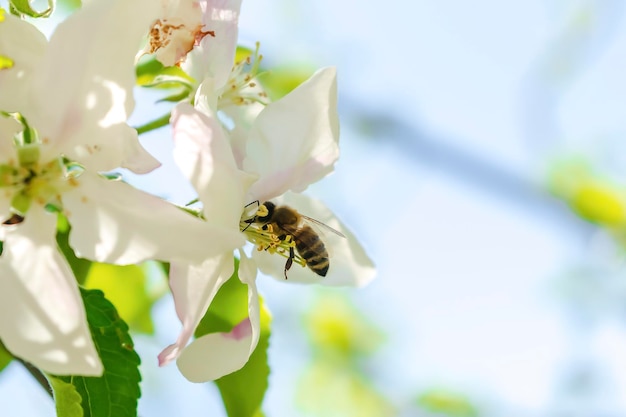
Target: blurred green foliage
{"type": "Point", "coordinates": [129, 289]}
{"type": "Point", "coordinates": [280, 81]}
{"type": "Point", "coordinates": [591, 195]}
{"type": "Point", "coordinates": [442, 402]}
{"type": "Point", "coordinates": [336, 383]}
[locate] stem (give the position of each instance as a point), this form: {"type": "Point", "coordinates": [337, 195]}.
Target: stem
{"type": "Point", "coordinates": [155, 124]}
{"type": "Point", "coordinates": [38, 375]}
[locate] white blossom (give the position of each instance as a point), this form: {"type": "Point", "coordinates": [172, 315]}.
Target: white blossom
{"type": "Point", "coordinates": [63, 111]}
{"type": "Point", "coordinates": [292, 143]}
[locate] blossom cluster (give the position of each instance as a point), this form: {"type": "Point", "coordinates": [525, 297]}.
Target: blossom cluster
{"type": "Point", "coordinates": [64, 106]}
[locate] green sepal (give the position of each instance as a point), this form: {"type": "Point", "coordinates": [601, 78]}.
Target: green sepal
{"type": "Point", "coordinates": [177, 96]}
{"type": "Point", "coordinates": [5, 356]}
{"type": "Point", "coordinates": [67, 400]}
{"type": "Point", "coordinates": [23, 8]}
{"type": "Point", "coordinates": [115, 393]}
{"type": "Point", "coordinates": [242, 391]}
{"type": "Point", "coordinates": [154, 124]}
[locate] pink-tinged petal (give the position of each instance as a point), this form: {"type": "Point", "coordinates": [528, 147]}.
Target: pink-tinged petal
{"type": "Point", "coordinates": [215, 55]}
{"type": "Point", "coordinates": [43, 317]}
{"type": "Point", "coordinates": [349, 264]}
{"type": "Point", "coordinates": [116, 223]}
{"type": "Point", "coordinates": [193, 288]}
{"type": "Point", "coordinates": [203, 154]}
{"type": "Point", "coordinates": [21, 48]}
{"type": "Point", "coordinates": [294, 141]}
{"type": "Point", "coordinates": [247, 275]}
{"type": "Point", "coordinates": [85, 102]}
{"type": "Point", "coordinates": [217, 354]}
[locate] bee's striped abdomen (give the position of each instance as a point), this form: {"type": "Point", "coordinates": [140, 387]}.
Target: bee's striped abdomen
{"type": "Point", "coordinates": [312, 250]}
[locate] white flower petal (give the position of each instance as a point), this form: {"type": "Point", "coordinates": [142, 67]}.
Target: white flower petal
{"type": "Point", "coordinates": [116, 223]}
{"type": "Point", "coordinates": [215, 55]}
{"type": "Point", "coordinates": [247, 275]}
{"type": "Point", "coordinates": [137, 159]}
{"type": "Point", "coordinates": [9, 127]}
{"type": "Point", "coordinates": [193, 288]}
{"type": "Point", "coordinates": [43, 317]}
{"type": "Point", "coordinates": [174, 33]}
{"type": "Point", "coordinates": [349, 264]}
{"type": "Point", "coordinates": [203, 154]}
{"type": "Point", "coordinates": [216, 354]}
{"type": "Point", "coordinates": [294, 141]}
{"type": "Point", "coordinates": [85, 101]}
{"type": "Point", "coordinates": [24, 45]}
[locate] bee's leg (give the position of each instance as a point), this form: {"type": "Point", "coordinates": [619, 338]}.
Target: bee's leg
{"type": "Point", "coordinates": [253, 218]}
{"type": "Point", "coordinates": [289, 260]}
{"type": "Point", "coordinates": [249, 221]}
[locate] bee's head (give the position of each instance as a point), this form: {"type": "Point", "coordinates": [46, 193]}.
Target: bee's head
{"type": "Point", "coordinates": [269, 207]}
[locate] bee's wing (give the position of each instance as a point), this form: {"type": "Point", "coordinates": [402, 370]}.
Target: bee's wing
{"type": "Point", "coordinates": [324, 225]}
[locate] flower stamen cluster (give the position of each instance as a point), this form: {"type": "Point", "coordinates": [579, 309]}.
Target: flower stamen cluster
{"type": "Point", "coordinates": [27, 179]}
{"type": "Point", "coordinates": [265, 238]}
{"type": "Point", "coordinates": [242, 88]}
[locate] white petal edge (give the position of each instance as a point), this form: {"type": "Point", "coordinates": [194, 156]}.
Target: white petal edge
{"type": "Point", "coordinates": [24, 45]}
{"type": "Point", "coordinates": [85, 101]}
{"type": "Point", "coordinates": [295, 141]}
{"type": "Point", "coordinates": [116, 223]}
{"type": "Point", "coordinates": [349, 263]}
{"type": "Point", "coordinates": [215, 56]}
{"type": "Point", "coordinates": [193, 288]}
{"type": "Point", "coordinates": [217, 354]}
{"type": "Point", "coordinates": [9, 127]}
{"type": "Point", "coordinates": [43, 317]}
{"type": "Point", "coordinates": [203, 154]}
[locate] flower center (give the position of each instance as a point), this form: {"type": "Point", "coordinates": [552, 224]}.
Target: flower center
{"type": "Point", "coordinates": [26, 179]}
{"type": "Point", "coordinates": [242, 87]}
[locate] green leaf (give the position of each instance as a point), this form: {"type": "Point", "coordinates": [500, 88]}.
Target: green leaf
{"type": "Point", "coordinates": [278, 82]}
{"type": "Point", "coordinates": [127, 287]}
{"type": "Point", "coordinates": [80, 267]}
{"type": "Point", "coordinates": [115, 393]}
{"type": "Point", "coordinates": [23, 8]}
{"type": "Point", "coordinates": [67, 400]}
{"type": "Point", "coordinates": [242, 391]}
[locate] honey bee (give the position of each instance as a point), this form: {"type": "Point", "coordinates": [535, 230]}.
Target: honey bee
{"type": "Point", "coordinates": [290, 226]}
